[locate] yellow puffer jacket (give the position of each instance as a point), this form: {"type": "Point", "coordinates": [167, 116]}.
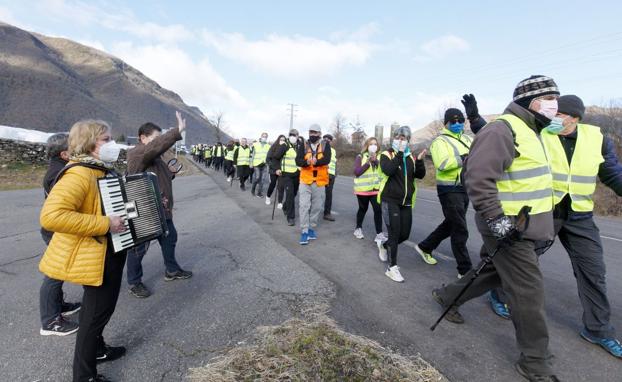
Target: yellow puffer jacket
{"type": "Point", "coordinates": [73, 212]}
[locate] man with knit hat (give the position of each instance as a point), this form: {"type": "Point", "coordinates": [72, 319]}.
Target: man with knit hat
{"type": "Point", "coordinates": [313, 159]}
{"type": "Point", "coordinates": [508, 169]}
{"type": "Point", "coordinates": [449, 151]}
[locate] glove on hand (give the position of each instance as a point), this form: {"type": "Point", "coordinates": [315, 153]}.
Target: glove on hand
{"type": "Point", "coordinates": [501, 227]}
{"type": "Point", "coordinates": [470, 106]}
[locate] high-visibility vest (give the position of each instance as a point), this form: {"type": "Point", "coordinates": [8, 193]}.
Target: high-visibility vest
{"type": "Point", "coordinates": [260, 152]}
{"type": "Point", "coordinates": [385, 178]}
{"type": "Point", "coordinates": [332, 166]}
{"type": "Point", "coordinates": [288, 163]}
{"type": "Point", "coordinates": [449, 165]}
{"type": "Point", "coordinates": [217, 151]}
{"type": "Point", "coordinates": [370, 179]}
{"type": "Point", "coordinates": [244, 156]}
{"type": "Point", "coordinates": [528, 180]}
{"type": "Point", "coordinates": [317, 174]}
{"type": "Point", "coordinates": [208, 153]}
{"type": "Point", "coordinates": [579, 177]}
{"type": "Point", "coordinates": [229, 154]}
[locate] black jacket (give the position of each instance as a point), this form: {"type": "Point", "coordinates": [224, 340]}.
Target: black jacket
{"type": "Point", "coordinates": [301, 152]}
{"type": "Point", "coordinates": [56, 164]}
{"type": "Point", "coordinates": [275, 159]}
{"type": "Point", "coordinates": [400, 186]}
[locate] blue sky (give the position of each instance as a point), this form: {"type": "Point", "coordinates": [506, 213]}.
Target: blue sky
{"type": "Point", "coordinates": [381, 62]}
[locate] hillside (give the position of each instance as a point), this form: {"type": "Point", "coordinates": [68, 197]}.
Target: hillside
{"type": "Point", "coordinates": [50, 83]}
{"type": "Point", "coordinates": [423, 137]}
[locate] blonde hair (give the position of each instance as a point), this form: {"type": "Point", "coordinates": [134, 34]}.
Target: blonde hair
{"type": "Point", "coordinates": [83, 135]}
{"type": "Point", "coordinates": [367, 143]}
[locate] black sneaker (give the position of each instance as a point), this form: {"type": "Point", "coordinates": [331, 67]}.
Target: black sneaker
{"type": "Point", "coordinates": [110, 353]}
{"type": "Point", "coordinates": [329, 217]}
{"type": "Point", "coordinates": [59, 327]}
{"type": "Point", "coordinates": [535, 377]}
{"type": "Point", "coordinates": [99, 378]}
{"type": "Point", "coordinates": [260, 195]}
{"type": "Point", "coordinates": [253, 192]}
{"type": "Point", "coordinates": [291, 222]}
{"type": "Point", "coordinates": [178, 275]}
{"type": "Point", "coordinates": [453, 315]}
{"type": "Point", "coordinates": [69, 308]}
{"type": "Point", "coordinates": [139, 291]}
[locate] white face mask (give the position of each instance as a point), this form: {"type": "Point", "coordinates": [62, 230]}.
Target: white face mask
{"type": "Point", "coordinates": [109, 152]}
{"type": "Point", "coordinates": [399, 145]}
{"type": "Point", "coordinates": [293, 139]}
{"type": "Point", "coordinates": [548, 108]}
{"type": "Point", "coordinates": [372, 149]}
{"type": "Point", "coordinates": [263, 139]}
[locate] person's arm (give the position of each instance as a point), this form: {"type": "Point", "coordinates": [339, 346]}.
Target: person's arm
{"type": "Point", "coordinates": [60, 210]}
{"type": "Point", "coordinates": [326, 155]}
{"type": "Point", "coordinates": [443, 155]}
{"type": "Point", "coordinates": [358, 169]}
{"type": "Point", "coordinates": [300, 157]}
{"type": "Point", "coordinates": [492, 152]}
{"type": "Point", "coordinates": [477, 124]}
{"type": "Point", "coordinates": [419, 168]}
{"type": "Point", "coordinates": [390, 166]}
{"type": "Point", "coordinates": [159, 145]}
{"type": "Point", "coordinates": [610, 171]}
{"type": "Point", "coordinates": [235, 155]}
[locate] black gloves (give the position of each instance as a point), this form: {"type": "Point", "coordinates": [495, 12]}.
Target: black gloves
{"type": "Point", "coordinates": [470, 106]}
{"type": "Point", "coordinates": [501, 227]}
{"type": "Point", "coordinates": [463, 157]}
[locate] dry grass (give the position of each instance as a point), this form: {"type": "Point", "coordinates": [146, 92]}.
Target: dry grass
{"type": "Point", "coordinates": [21, 176]}
{"type": "Point", "coordinates": [313, 350]}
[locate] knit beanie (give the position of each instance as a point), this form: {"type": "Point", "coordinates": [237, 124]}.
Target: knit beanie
{"type": "Point", "coordinates": [533, 87]}
{"type": "Point", "coordinates": [453, 114]}
{"type": "Point", "coordinates": [571, 105]}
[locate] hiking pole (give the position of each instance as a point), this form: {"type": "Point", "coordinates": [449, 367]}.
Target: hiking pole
{"type": "Point", "coordinates": [276, 193]}
{"type": "Point", "coordinates": [522, 222]}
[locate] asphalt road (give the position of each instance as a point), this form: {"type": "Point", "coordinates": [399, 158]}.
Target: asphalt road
{"type": "Point", "coordinates": [242, 279]}
{"type": "Point", "coordinates": [399, 315]}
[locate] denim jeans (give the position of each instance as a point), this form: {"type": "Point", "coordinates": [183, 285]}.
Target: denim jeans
{"type": "Point", "coordinates": [50, 300]}
{"type": "Point", "coordinates": [167, 244]}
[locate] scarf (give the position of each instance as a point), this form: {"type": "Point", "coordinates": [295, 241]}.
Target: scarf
{"type": "Point", "coordinates": [87, 159]}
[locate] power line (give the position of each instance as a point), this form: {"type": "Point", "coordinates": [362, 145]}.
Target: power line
{"type": "Point", "coordinates": [292, 107]}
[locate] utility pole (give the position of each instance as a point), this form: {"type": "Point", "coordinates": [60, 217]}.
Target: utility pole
{"type": "Point", "coordinates": [292, 109]}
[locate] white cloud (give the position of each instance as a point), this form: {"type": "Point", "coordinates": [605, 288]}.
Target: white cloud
{"type": "Point", "coordinates": [441, 47]}
{"type": "Point", "coordinates": [290, 56]}
{"type": "Point", "coordinates": [196, 81]}
{"type": "Point", "coordinates": [117, 18]}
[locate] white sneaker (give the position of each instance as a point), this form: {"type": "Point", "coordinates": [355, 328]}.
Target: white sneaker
{"type": "Point", "coordinates": [384, 236]}
{"type": "Point", "coordinates": [380, 238]}
{"type": "Point", "coordinates": [229, 179]}
{"type": "Point", "coordinates": [279, 206]}
{"type": "Point", "coordinates": [358, 233]}
{"type": "Point", "coordinates": [267, 201]}
{"type": "Point", "coordinates": [394, 274]}
{"type": "Point", "coordinates": [382, 252]}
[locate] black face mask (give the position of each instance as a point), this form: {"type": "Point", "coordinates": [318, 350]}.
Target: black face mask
{"type": "Point", "coordinates": [314, 138]}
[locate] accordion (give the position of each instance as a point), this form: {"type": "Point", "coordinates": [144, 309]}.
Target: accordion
{"type": "Point", "coordinates": [136, 198]}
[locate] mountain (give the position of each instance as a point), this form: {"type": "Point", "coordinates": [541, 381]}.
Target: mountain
{"type": "Point", "coordinates": [49, 83]}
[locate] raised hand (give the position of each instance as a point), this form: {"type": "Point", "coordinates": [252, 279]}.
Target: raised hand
{"type": "Point", "coordinates": [470, 106]}
{"type": "Point", "coordinates": [422, 154]}
{"type": "Point", "coordinates": [181, 122]}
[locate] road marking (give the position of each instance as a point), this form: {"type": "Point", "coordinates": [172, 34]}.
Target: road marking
{"type": "Point", "coordinates": [435, 253]}
{"type": "Point", "coordinates": [611, 238]}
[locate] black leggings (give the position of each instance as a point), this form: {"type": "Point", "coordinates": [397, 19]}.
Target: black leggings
{"type": "Point", "coordinates": [398, 219]}
{"type": "Point", "coordinates": [274, 180]}
{"type": "Point", "coordinates": [364, 201]}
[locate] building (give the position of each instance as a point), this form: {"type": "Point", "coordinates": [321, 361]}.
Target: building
{"type": "Point", "coordinates": [394, 126]}
{"type": "Point", "coordinates": [379, 133]}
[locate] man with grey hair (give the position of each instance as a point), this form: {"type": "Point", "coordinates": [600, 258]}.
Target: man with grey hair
{"type": "Point", "coordinates": [52, 307]}
{"type": "Point", "coordinates": [313, 159]}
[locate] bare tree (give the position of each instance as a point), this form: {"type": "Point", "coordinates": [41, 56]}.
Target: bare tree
{"type": "Point", "coordinates": [339, 129]}
{"type": "Point", "coordinates": [218, 122]}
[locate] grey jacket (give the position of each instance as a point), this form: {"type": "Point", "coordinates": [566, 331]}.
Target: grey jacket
{"type": "Point", "coordinates": [492, 152]}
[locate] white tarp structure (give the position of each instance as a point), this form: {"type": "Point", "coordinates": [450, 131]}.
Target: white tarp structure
{"type": "Point", "coordinates": [19, 134]}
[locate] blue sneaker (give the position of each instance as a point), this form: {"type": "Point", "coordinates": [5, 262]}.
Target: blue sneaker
{"type": "Point", "coordinates": [304, 238]}
{"type": "Point", "coordinates": [498, 307]}
{"type": "Point", "coordinates": [611, 345]}
{"type": "Point", "coordinates": [312, 234]}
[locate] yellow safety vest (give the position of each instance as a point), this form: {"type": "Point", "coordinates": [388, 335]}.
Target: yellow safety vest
{"type": "Point", "coordinates": [528, 180]}
{"type": "Point", "coordinates": [332, 166]}
{"type": "Point", "coordinates": [384, 178]}
{"type": "Point", "coordinates": [370, 179]}
{"type": "Point", "coordinates": [260, 152]}
{"type": "Point", "coordinates": [579, 177]}
{"type": "Point", "coordinates": [218, 151]}
{"type": "Point", "coordinates": [229, 154]}
{"type": "Point", "coordinates": [446, 151]}
{"type": "Point", "coordinates": [208, 153]}
{"type": "Point", "coordinates": [288, 163]}
{"type": "Point", "coordinates": [244, 156]}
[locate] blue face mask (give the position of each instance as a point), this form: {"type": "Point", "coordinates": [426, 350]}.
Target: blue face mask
{"type": "Point", "coordinates": [456, 128]}
{"type": "Point", "coordinates": [556, 126]}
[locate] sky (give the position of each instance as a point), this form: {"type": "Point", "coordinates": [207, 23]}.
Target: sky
{"type": "Point", "coordinates": [372, 62]}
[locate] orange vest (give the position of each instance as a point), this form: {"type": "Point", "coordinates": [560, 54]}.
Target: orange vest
{"type": "Point", "coordinates": [317, 174]}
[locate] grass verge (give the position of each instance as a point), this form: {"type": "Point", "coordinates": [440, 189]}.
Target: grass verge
{"type": "Point", "coordinates": [313, 350]}
{"type": "Point", "coordinates": [17, 176]}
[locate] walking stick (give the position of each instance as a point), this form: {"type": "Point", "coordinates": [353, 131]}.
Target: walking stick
{"type": "Point", "coordinates": [276, 193]}
{"type": "Point", "coordinates": [522, 222]}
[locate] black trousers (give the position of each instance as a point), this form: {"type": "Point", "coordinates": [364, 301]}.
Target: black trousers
{"type": "Point", "coordinates": [454, 205]}
{"type": "Point", "coordinates": [515, 268]}
{"type": "Point", "coordinates": [274, 183]}
{"type": "Point", "coordinates": [229, 169]}
{"type": "Point", "coordinates": [290, 188]}
{"type": "Point", "coordinates": [98, 304]}
{"type": "Point", "coordinates": [243, 173]}
{"type": "Point", "coordinates": [364, 201]}
{"type": "Point", "coordinates": [398, 219]}
{"type": "Point", "coordinates": [328, 190]}
{"type": "Point", "coordinates": [217, 163]}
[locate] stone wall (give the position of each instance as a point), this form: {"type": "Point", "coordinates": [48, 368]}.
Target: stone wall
{"type": "Point", "coordinates": [29, 153]}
